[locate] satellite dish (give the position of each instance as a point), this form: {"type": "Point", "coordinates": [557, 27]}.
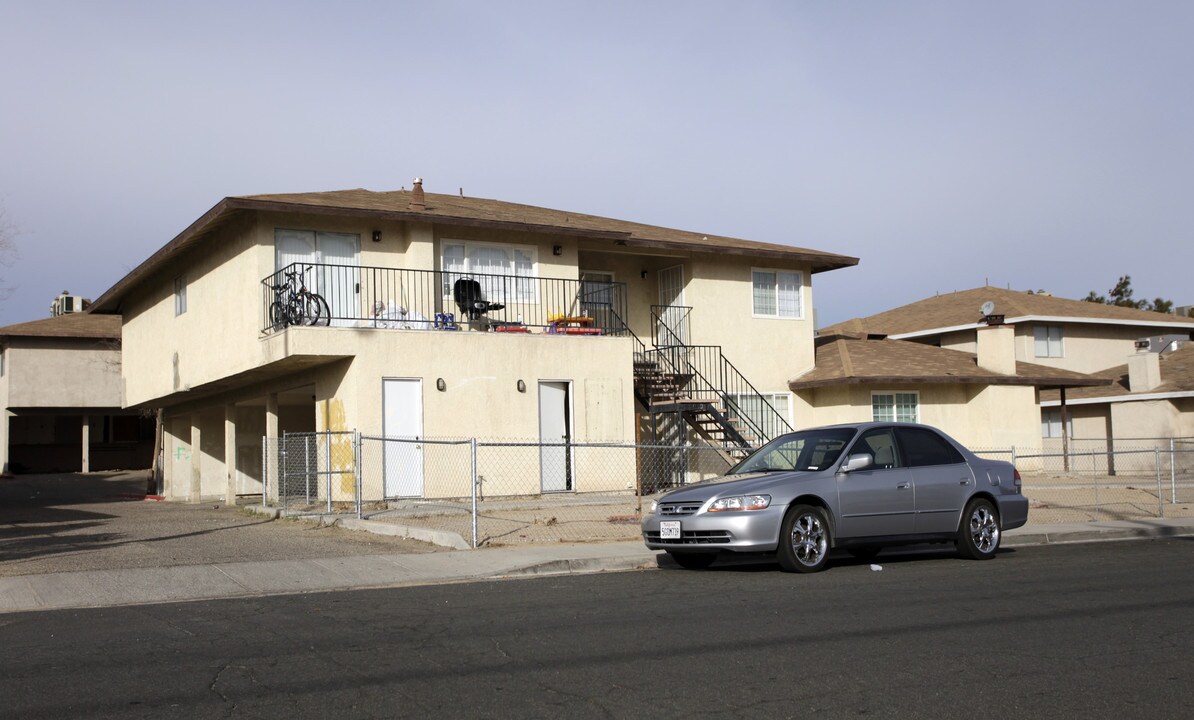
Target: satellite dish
{"type": "Point", "coordinates": [987, 308]}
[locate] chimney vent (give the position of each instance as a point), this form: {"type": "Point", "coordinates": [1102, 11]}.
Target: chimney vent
{"type": "Point", "coordinates": [416, 196]}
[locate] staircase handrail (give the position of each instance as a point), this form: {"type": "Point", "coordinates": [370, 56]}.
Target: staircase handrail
{"type": "Point", "coordinates": [727, 371]}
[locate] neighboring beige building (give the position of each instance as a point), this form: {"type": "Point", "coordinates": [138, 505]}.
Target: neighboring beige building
{"type": "Point", "coordinates": [985, 400]}
{"type": "Point", "coordinates": [1069, 334]}
{"type": "Point", "coordinates": [566, 326]}
{"type": "Point", "coordinates": [1150, 397]}
{"type": "Point", "coordinates": [60, 386]}
{"type": "Point", "coordinates": [1053, 332]}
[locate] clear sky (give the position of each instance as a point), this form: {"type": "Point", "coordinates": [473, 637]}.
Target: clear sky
{"type": "Point", "coordinates": [1031, 144]}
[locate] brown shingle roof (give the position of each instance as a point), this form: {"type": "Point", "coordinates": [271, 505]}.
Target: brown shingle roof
{"type": "Point", "coordinates": [1177, 375]}
{"type": "Point", "coordinates": [846, 360]}
{"type": "Point", "coordinates": [440, 208]}
{"type": "Point", "coordinates": [962, 308]}
{"type": "Point", "coordinates": [71, 325]}
{"type": "Point", "coordinates": [469, 211]}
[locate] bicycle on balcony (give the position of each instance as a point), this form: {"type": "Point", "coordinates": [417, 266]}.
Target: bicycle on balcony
{"type": "Point", "coordinates": [295, 304]}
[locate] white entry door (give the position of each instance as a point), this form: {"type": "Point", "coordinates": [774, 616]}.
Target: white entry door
{"type": "Point", "coordinates": [555, 456]}
{"type": "Point", "coordinates": [403, 428]}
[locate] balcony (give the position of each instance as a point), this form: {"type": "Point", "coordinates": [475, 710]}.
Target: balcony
{"type": "Point", "coordinates": [390, 298]}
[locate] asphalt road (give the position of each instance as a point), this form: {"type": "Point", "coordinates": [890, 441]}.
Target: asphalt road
{"type": "Point", "coordinates": [69, 522]}
{"type": "Point", "coordinates": [1101, 630]}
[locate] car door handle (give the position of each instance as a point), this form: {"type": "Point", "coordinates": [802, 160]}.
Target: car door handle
{"type": "Point", "coordinates": [964, 481]}
{"type": "Point", "coordinates": [903, 486]}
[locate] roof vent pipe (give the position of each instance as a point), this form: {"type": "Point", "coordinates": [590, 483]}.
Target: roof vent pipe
{"type": "Point", "coordinates": [417, 201]}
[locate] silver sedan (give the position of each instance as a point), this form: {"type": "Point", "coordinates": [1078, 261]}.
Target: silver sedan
{"type": "Point", "coordinates": [860, 487]}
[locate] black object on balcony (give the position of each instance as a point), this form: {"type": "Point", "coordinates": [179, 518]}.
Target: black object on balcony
{"type": "Point", "coordinates": [467, 294]}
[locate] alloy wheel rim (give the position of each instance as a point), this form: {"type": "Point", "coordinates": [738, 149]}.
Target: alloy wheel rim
{"type": "Point", "coordinates": [984, 531]}
{"type": "Point", "coordinates": [808, 539]}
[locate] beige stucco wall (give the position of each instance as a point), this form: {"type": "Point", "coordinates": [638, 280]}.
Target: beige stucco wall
{"type": "Point", "coordinates": [481, 400]}
{"type": "Point", "coordinates": [767, 351]}
{"type": "Point", "coordinates": [61, 373]}
{"type": "Point", "coordinates": [996, 416]}
{"type": "Point", "coordinates": [1086, 348]}
{"type": "Point", "coordinates": [1185, 422]}
{"type": "Point", "coordinates": [1145, 419]}
{"type": "Point", "coordinates": [215, 337]}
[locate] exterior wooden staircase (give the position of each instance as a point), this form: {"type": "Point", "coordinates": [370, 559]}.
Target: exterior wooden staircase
{"type": "Point", "coordinates": [667, 392]}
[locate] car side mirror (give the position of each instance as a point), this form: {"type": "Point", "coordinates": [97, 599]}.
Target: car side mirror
{"type": "Point", "coordinates": [858, 461]}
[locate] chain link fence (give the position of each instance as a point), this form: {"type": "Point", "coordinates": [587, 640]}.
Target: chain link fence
{"type": "Point", "coordinates": [486, 492]}
{"type": "Point", "coordinates": [310, 473]}
{"type": "Point", "coordinates": [491, 492]}
{"type": "Point", "coordinates": [1092, 480]}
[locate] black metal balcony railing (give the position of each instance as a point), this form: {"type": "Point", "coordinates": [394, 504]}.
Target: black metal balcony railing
{"type": "Point", "coordinates": [391, 298]}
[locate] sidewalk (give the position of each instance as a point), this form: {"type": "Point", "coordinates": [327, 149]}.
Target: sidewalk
{"type": "Point", "coordinates": [104, 588]}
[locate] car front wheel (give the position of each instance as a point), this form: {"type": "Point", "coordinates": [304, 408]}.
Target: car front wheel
{"type": "Point", "coordinates": [978, 536]}
{"type": "Point", "coordinates": [804, 540]}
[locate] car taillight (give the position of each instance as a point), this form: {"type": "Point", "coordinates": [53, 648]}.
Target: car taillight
{"type": "Point", "coordinates": [1016, 478]}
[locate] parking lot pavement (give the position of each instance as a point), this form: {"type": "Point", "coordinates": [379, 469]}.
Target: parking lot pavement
{"type": "Point", "coordinates": [101, 521]}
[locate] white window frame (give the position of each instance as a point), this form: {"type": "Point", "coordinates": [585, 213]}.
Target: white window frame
{"type": "Point", "coordinates": [895, 405]}
{"type": "Point", "coordinates": [528, 297]}
{"type": "Point", "coordinates": [180, 295]}
{"type": "Point", "coordinates": [1051, 423]}
{"type": "Point", "coordinates": [799, 313]}
{"type": "Point", "coordinates": [770, 397]}
{"type": "Point", "coordinates": [1050, 339]}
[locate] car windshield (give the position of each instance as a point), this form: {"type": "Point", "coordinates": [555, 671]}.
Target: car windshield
{"type": "Point", "coordinates": [806, 450]}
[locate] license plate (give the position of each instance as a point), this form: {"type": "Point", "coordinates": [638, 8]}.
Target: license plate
{"type": "Point", "coordinates": [669, 530]}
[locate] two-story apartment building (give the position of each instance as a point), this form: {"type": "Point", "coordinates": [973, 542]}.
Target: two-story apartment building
{"type": "Point", "coordinates": [446, 316]}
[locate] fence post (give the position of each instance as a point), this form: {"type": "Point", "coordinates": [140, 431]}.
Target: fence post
{"type": "Point", "coordinates": [1157, 465]}
{"type": "Point", "coordinates": [264, 471]}
{"type": "Point", "coordinates": [328, 446]}
{"type": "Point", "coordinates": [358, 454]}
{"type": "Point", "coordinates": [473, 446]}
{"type": "Point", "coordinates": [1173, 471]}
{"type": "Point", "coordinates": [306, 465]}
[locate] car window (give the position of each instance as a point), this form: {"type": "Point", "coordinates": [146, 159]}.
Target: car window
{"type": "Point", "coordinates": [880, 445]}
{"type": "Point", "coordinates": [807, 450]}
{"type": "Point", "coordinates": [924, 447]}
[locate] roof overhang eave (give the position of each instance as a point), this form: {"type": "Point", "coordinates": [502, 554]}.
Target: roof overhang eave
{"type": "Point", "coordinates": [820, 262]}
{"type": "Point", "coordinates": [1043, 383]}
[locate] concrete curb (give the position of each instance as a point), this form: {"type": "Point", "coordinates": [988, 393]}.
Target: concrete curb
{"type": "Point", "coordinates": [443, 538]}
{"type": "Point", "coordinates": [583, 566]}
{"type": "Point", "coordinates": [1105, 535]}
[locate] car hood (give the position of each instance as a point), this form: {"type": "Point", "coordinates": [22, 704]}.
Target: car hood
{"type": "Point", "coordinates": [753, 483]}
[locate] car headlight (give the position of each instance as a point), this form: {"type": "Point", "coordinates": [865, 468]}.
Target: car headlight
{"type": "Point", "coordinates": [654, 507]}
{"type": "Point", "coordinates": [740, 502]}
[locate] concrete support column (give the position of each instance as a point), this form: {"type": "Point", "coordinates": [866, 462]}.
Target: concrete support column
{"type": "Point", "coordinates": [196, 457]}
{"type": "Point", "coordinates": [86, 464]}
{"type": "Point", "coordinates": [169, 447]}
{"type": "Point", "coordinates": [230, 454]}
{"type": "Point", "coordinates": [272, 475]}
{"type": "Point", "coordinates": [5, 418]}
